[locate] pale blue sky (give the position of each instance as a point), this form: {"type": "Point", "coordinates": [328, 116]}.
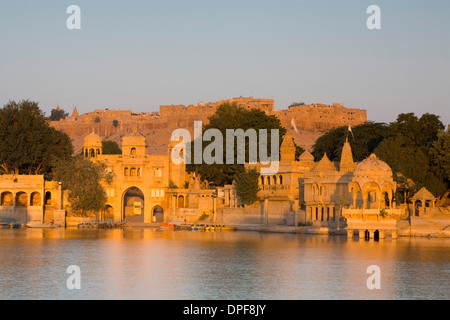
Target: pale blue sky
{"type": "Point", "coordinates": [141, 54]}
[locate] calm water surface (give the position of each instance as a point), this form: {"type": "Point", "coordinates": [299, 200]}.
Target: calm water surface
{"type": "Point", "coordinates": [151, 264]}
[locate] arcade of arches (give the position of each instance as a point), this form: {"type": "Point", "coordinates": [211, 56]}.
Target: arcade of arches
{"type": "Point", "coordinates": [29, 199]}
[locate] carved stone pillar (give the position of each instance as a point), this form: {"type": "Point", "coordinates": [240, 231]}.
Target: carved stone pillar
{"type": "Point", "coordinates": [350, 233]}
{"type": "Point", "coordinates": [362, 235]}
{"type": "Point", "coordinates": [394, 234]}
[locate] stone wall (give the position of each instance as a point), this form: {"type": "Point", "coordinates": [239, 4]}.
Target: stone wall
{"type": "Point", "coordinates": [319, 117]}
{"type": "Point", "coordinates": [309, 118]}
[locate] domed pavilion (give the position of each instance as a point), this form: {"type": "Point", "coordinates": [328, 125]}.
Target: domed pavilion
{"type": "Point", "coordinates": [373, 211]}
{"type": "Point", "coordinates": [92, 146]}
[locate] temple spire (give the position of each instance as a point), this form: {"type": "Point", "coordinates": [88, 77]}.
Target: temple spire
{"type": "Point", "coordinates": [347, 164]}
{"type": "Point", "coordinates": [287, 149]}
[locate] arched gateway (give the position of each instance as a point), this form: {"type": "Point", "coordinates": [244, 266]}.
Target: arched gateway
{"type": "Point", "coordinates": [158, 214]}
{"type": "Point", "coordinates": [133, 205]}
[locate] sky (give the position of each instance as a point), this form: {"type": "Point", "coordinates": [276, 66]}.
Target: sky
{"type": "Point", "coordinates": [139, 55]}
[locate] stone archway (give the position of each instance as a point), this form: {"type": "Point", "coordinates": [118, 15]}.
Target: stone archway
{"type": "Point", "coordinates": [48, 198]}
{"type": "Point", "coordinates": [418, 207]}
{"type": "Point", "coordinates": [158, 214]}
{"type": "Point", "coordinates": [181, 202]}
{"type": "Point", "coordinates": [133, 203]}
{"type": "Point", "coordinates": [21, 199]}
{"type": "Point", "coordinates": [107, 213]}
{"type": "Point", "coordinates": [376, 235]}
{"type": "Point", "coordinates": [7, 199]}
{"type": "Point", "coordinates": [35, 199]}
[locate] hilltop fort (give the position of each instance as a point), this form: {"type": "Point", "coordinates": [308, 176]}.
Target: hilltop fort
{"type": "Point", "coordinates": [305, 122]}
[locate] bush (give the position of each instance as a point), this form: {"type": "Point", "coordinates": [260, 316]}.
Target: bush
{"type": "Point", "coordinates": [172, 185]}
{"type": "Point", "coordinates": [247, 186]}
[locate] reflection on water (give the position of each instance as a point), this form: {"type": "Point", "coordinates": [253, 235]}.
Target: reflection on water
{"type": "Point", "coordinates": [151, 264]}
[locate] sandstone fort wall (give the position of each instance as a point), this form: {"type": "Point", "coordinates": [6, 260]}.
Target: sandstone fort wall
{"type": "Point", "coordinates": [309, 118]}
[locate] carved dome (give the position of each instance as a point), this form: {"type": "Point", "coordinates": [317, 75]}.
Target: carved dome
{"type": "Point", "coordinates": [372, 167]}
{"type": "Point", "coordinates": [93, 139]}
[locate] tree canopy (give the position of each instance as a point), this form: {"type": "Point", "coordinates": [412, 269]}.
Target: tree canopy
{"type": "Point", "coordinates": [296, 104]}
{"type": "Point", "coordinates": [247, 186]}
{"type": "Point", "coordinates": [82, 178]}
{"type": "Point", "coordinates": [363, 141]}
{"type": "Point", "coordinates": [231, 116]}
{"type": "Point", "coordinates": [415, 148]}
{"type": "Point", "coordinates": [412, 150]}
{"type": "Point", "coordinates": [110, 147]}
{"type": "Point", "coordinates": [27, 142]}
{"type": "Point", "coordinates": [58, 114]}
{"type": "Point", "coordinates": [440, 153]}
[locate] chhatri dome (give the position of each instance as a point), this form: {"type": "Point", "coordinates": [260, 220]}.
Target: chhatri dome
{"type": "Point", "coordinates": [92, 146]}
{"type": "Point", "coordinates": [92, 140]}
{"type": "Point", "coordinates": [372, 167]}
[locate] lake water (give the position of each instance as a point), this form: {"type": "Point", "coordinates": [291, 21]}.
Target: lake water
{"type": "Point", "coordinates": [152, 264]}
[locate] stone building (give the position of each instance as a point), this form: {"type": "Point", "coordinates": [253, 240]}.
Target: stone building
{"type": "Point", "coordinates": [320, 117]}
{"type": "Point", "coordinates": [373, 211]}
{"type": "Point", "coordinates": [138, 192]}
{"type": "Point", "coordinates": [281, 193]}
{"type": "Point", "coordinates": [30, 200]}
{"type": "Point", "coordinates": [422, 202]}
{"type": "Point", "coordinates": [325, 189]}
{"type": "Point", "coordinates": [189, 203]}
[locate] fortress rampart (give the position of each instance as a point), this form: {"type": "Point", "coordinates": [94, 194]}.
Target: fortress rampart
{"type": "Point", "coordinates": [315, 117]}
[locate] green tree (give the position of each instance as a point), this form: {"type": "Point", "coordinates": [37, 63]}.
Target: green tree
{"type": "Point", "coordinates": [298, 151]}
{"type": "Point", "coordinates": [408, 151]}
{"type": "Point", "coordinates": [57, 114]}
{"type": "Point", "coordinates": [421, 132]}
{"type": "Point", "coordinates": [172, 185]}
{"type": "Point", "coordinates": [296, 104]}
{"type": "Point", "coordinates": [231, 116]}
{"type": "Point", "coordinates": [247, 186]}
{"type": "Point", "coordinates": [82, 179]}
{"type": "Point", "coordinates": [364, 140]}
{"type": "Point", "coordinates": [27, 142]}
{"type": "Point", "coordinates": [110, 147]}
{"type": "Point", "coordinates": [440, 152]}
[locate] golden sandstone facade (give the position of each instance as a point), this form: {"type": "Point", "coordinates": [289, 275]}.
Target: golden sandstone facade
{"type": "Point", "coordinates": [139, 190]}
{"type": "Point", "coordinates": [30, 200]}
{"type": "Point", "coordinates": [344, 195]}
{"type": "Point", "coordinates": [152, 189]}
{"type": "Point", "coordinates": [355, 196]}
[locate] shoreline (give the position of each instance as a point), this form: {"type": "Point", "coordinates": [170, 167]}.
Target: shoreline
{"type": "Point", "coordinates": [405, 232]}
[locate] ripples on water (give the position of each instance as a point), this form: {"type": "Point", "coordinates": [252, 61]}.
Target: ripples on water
{"type": "Point", "coordinates": [151, 264]}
